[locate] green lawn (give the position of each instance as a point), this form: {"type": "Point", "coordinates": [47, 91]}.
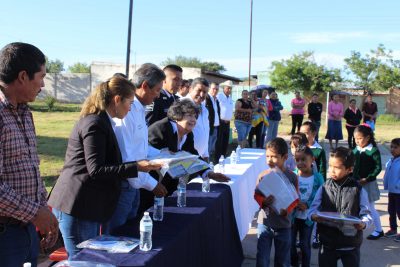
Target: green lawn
{"type": "Point", "coordinates": [54, 128]}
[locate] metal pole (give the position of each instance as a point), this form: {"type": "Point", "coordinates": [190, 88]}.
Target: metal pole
{"type": "Point", "coordinates": [128, 47]}
{"type": "Point", "coordinates": [251, 33]}
{"type": "Point", "coordinates": [326, 108]}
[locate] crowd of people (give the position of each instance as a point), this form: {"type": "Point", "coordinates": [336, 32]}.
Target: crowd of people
{"type": "Point", "coordinates": [107, 180]}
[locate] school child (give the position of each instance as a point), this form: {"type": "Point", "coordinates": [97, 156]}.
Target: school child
{"type": "Point", "coordinates": [295, 140]}
{"type": "Point", "coordinates": [310, 130]}
{"type": "Point", "coordinates": [366, 168]}
{"type": "Point", "coordinates": [343, 194]}
{"type": "Point", "coordinates": [391, 182]}
{"type": "Point", "coordinates": [309, 182]}
{"type": "Point", "coordinates": [271, 225]}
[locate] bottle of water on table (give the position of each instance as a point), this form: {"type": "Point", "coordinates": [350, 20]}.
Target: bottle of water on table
{"type": "Point", "coordinates": [205, 187]}
{"type": "Point", "coordinates": [238, 148]}
{"type": "Point", "coordinates": [158, 214]}
{"type": "Point", "coordinates": [233, 158]}
{"type": "Point", "coordinates": [181, 202]}
{"type": "Point", "coordinates": [146, 229]}
{"type": "Point", "coordinates": [221, 164]}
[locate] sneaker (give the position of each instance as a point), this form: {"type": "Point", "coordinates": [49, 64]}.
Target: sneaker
{"type": "Point", "coordinates": [397, 238]}
{"type": "Point", "coordinates": [375, 235]}
{"type": "Point", "coordinates": [391, 233]}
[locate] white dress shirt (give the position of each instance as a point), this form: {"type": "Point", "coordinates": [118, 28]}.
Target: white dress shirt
{"type": "Point", "coordinates": [201, 131]}
{"type": "Point", "coordinates": [133, 142]}
{"type": "Point", "coordinates": [226, 106]}
{"type": "Point", "coordinates": [183, 140]}
{"type": "Point", "coordinates": [215, 107]}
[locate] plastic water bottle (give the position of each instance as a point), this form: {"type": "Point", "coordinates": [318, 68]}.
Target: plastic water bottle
{"type": "Point", "coordinates": [27, 264]}
{"type": "Point", "coordinates": [181, 202]}
{"type": "Point", "coordinates": [233, 158]}
{"type": "Point", "coordinates": [158, 214]}
{"type": "Point", "coordinates": [238, 148]}
{"type": "Point", "coordinates": [146, 229]}
{"type": "Point", "coordinates": [221, 163]}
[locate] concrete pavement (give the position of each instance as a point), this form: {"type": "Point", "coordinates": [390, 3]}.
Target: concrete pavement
{"type": "Point", "coordinates": [383, 252]}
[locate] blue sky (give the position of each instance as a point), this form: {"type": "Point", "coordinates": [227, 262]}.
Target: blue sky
{"type": "Point", "coordinates": [86, 31]}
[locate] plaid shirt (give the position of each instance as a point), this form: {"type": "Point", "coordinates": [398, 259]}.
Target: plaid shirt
{"type": "Point", "coordinates": [22, 191]}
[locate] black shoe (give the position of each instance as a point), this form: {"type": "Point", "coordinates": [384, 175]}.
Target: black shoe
{"type": "Point", "coordinates": [315, 243]}
{"type": "Point", "coordinates": [375, 235]}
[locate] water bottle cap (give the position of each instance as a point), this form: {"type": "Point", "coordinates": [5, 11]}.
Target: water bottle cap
{"type": "Point", "coordinates": [146, 213]}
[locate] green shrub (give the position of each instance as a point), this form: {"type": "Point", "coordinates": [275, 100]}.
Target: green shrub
{"type": "Point", "coordinates": [50, 102]}
{"type": "Point", "coordinates": [388, 118]}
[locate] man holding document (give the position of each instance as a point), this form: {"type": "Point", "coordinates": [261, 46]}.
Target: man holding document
{"type": "Point", "coordinates": [132, 136]}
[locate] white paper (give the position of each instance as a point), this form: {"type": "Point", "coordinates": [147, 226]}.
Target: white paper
{"type": "Point", "coordinates": [275, 183]}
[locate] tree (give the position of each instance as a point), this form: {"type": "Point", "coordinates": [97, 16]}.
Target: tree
{"type": "Point", "coordinates": [377, 71]}
{"type": "Point", "coordinates": [79, 68]}
{"type": "Point", "coordinates": [302, 73]}
{"type": "Point", "coordinates": [54, 66]}
{"type": "Point", "coordinates": [194, 62]}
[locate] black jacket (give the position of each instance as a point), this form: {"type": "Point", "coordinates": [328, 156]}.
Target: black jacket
{"type": "Point", "coordinates": [89, 184]}
{"type": "Point", "coordinates": [345, 199]}
{"type": "Point", "coordinates": [158, 110]}
{"type": "Point", "coordinates": [314, 111]}
{"type": "Point", "coordinates": [211, 112]}
{"type": "Point", "coordinates": [352, 118]}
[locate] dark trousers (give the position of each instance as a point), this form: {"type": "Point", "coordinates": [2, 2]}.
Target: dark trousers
{"type": "Point", "coordinates": [328, 257]}
{"type": "Point", "coordinates": [305, 231]}
{"type": "Point", "coordinates": [350, 137]}
{"type": "Point", "coordinates": [18, 244]}
{"type": "Point", "coordinates": [258, 132]}
{"type": "Point", "coordinates": [394, 209]}
{"type": "Point", "coordinates": [221, 146]}
{"type": "Point", "coordinates": [297, 120]}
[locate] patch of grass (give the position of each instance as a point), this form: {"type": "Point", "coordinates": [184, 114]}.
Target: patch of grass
{"type": "Point", "coordinates": [387, 118]}
{"type": "Point", "coordinates": [42, 105]}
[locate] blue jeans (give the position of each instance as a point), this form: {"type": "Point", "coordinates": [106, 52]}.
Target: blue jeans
{"type": "Point", "coordinates": [282, 240]}
{"type": "Point", "coordinates": [18, 244]}
{"type": "Point", "coordinates": [212, 140]}
{"type": "Point", "coordinates": [75, 231]}
{"type": "Point", "coordinates": [272, 132]}
{"type": "Point", "coordinates": [127, 207]}
{"type": "Point", "coordinates": [305, 232]}
{"type": "Point", "coordinates": [243, 130]}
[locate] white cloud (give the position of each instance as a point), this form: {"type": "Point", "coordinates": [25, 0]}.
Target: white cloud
{"type": "Point", "coordinates": [325, 37]}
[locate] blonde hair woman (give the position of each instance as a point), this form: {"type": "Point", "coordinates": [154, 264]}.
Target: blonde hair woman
{"type": "Point", "coordinates": [87, 191]}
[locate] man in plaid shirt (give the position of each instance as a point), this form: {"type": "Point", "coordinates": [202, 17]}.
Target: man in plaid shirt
{"type": "Point", "coordinates": [23, 206]}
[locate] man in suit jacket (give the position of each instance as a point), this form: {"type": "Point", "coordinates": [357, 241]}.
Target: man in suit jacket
{"type": "Point", "coordinates": [158, 110]}
{"type": "Point", "coordinates": [214, 113]}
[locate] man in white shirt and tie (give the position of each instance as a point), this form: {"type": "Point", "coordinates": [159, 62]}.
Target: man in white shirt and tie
{"type": "Point", "coordinates": [197, 93]}
{"type": "Point", "coordinates": [226, 105]}
{"type": "Point", "coordinates": [132, 136]}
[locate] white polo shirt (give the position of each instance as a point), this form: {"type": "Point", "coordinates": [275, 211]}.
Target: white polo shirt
{"type": "Point", "coordinates": [133, 142]}
{"type": "Point", "coordinates": [226, 106]}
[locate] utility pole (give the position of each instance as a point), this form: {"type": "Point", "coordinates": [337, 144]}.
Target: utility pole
{"type": "Point", "coordinates": [251, 33]}
{"type": "Point", "coordinates": [128, 47]}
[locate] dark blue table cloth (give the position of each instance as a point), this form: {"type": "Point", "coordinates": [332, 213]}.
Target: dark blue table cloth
{"type": "Point", "coordinates": [204, 233]}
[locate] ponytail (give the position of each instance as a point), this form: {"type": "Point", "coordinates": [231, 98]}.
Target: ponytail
{"type": "Point", "coordinates": [366, 131]}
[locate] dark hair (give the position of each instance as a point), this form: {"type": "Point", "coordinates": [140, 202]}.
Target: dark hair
{"type": "Point", "coordinates": [311, 125]}
{"type": "Point", "coordinates": [315, 94]}
{"type": "Point", "coordinates": [278, 145]}
{"type": "Point", "coordinates": [150, 73]}
{"type": "Point", "coordinates": [345, 155]}
{"type": "Point", "coordinates": [173, 67]}
{"type": "Point", "coordinates": [101, 97]}
{"type": "Point", "coordinates": [180, 108]}
{"type": "Point", "coordinates": [185, 82]}
{"type": "Point", "coordinates": [366, 131]}
{"type": "Point", "coordinates": [17, 57]}
{"type": "Point", "coordinates": [119, 74]}
{"type": "Point", "coordinates": [299, 139]}
{"type": "Point", "coordinates": [305, 149]}
{"type": "Point", "coordinates": [200, 80]}
{"type": "Point", "coordinates": [352, 100]}
{"type": "Point", "coordinates": [396, 141]}
{"type": "Point", "coordinates": [216, 84]}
